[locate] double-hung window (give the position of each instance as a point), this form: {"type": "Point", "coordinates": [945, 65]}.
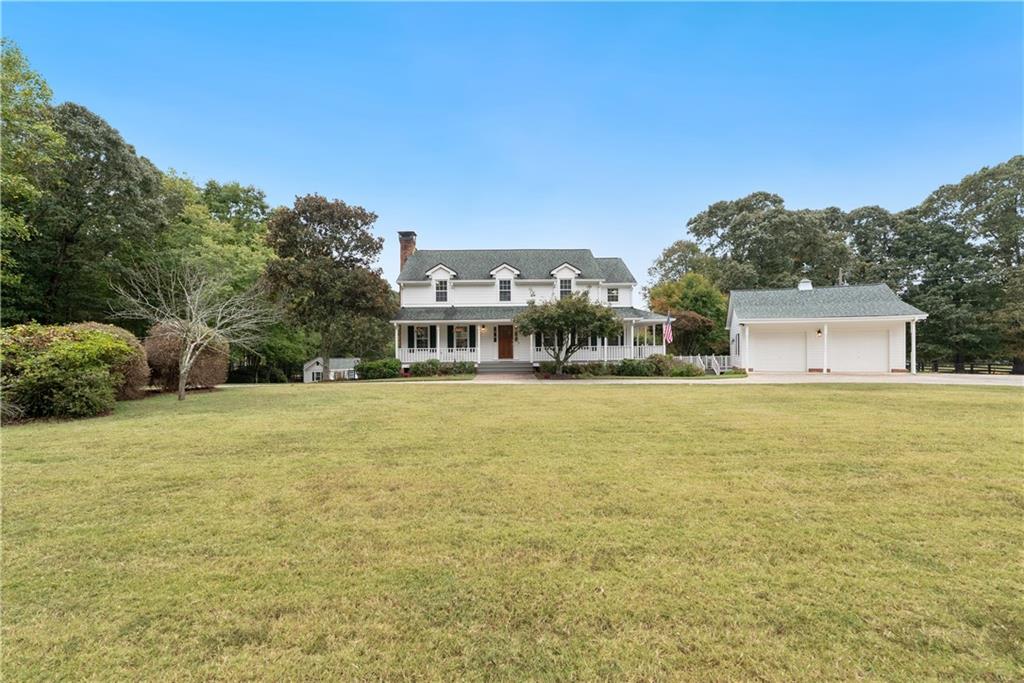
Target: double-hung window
{"type": "Point", "coordinates": [460, 335]}
{"type": "Point", "coordinates": [422, 337]}
{"type": "Point", "coordinates": [564, 288]}
{"type": "Point", "coordinates": [441, 291]}
{"type": "Point", "coordinates": [504, 290]}
{"type": "Point", "coordinates": [613, 295]}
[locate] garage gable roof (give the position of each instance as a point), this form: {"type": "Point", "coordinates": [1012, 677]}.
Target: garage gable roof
{"type": "Point", "coordinates": [851, 301]}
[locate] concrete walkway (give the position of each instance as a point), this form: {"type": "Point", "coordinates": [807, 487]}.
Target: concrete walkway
{"type": "Point", "coordinates": [777, 378]}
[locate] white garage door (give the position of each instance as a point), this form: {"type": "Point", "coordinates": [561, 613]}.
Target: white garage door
{"type": "Point", "coordinates": [858, 350]}
{"type": "Point", "coordinates": [778, 351]}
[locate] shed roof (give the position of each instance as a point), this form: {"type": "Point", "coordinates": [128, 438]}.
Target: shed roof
{"type": "Point", "coordinates": [335, 363]}
{"type": "Point", "coordinates": [851, 301]}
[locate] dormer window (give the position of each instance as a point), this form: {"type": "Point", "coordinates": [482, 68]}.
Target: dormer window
{"type": "Point", "coordinates": [564, 288]}
{"type": "Point", "coordinates": [504, 290]}
{"type": "Point", "coordinates": [613, 295]}
{"type": "Point", "coordinates": [441, 291]}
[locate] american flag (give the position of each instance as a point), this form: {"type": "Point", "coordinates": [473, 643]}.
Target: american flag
{"type": "Point", "coordinates": [666, 329]}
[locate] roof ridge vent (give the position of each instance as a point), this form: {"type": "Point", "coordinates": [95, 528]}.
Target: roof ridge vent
{"type": "Point", "coordinates": [804, 285]}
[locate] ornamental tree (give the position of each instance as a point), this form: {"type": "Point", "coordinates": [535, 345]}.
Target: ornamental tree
{"type": "Point", "coordinates": [567, 324]}
{"type": "Point", "coordinates": [194, 313]}
{"type": "Point", "coordinates": [698, 310]}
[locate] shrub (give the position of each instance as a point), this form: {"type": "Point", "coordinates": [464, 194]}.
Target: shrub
{"type": "Point", "coordinates": [251, 374]}
{"type": "Point", "coordinates": [546, 367]}
{"type": "Point", "coordinates": [46, 390]}
{"type": "Point", "coordinates": [385, 368]}
{"type": "Point", "coordinates": [632, 367]}
{"type": "Point", "coordinates": [464, 367]}
{"type": "Point", "coordinates": [62, 371]}
{"type": "Point", "coordinates": [163, 348]}
{"type": "Point", "coordinates": [135, 371]}
{"type": "Point", "coordinates": [594, 368]}
{"type": "Point", "coordinates": [688, 370]}
{"type": "Point", "coordinates": [663, 364]}
{"type": "Point", "coordinates": [427, 368]}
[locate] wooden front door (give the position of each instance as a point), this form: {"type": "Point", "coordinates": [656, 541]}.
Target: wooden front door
{"type": "Point", "coordinates": [504, 342]}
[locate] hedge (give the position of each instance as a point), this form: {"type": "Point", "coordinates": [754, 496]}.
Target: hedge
{"type": "Point", "coordinates": [66, 371]}
{"type": "Point", "coordinates": [435, 368]}
{"type": "Point", "coordinates": [385, 368]}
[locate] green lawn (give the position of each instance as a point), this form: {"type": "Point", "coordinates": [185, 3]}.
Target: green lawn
{"type": "Point", "coordinates": [433, 531]}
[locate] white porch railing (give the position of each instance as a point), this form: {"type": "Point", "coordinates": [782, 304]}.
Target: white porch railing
{"type": "Point", "coordinates": [645, 350]}
{"type": "Point", "coordinates": [612, 353]}
{"type": "Point", "coordinates": [407, 355]}
{"type": "Point", "coordinates": [723, 363]}
{"type": "Point", "coordinates": [584, 355]}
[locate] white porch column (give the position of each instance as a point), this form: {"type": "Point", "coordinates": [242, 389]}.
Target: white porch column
{"type": "Point", "coordinates": [913, 347]}
{"type": "Point", "coordinates": [398, 354]}
{"type": "Point", "coordinates": [663, 345]}
{"type": "Point", "coordinates": [533, 344]}
{"type": "Point", "coordinates": [824, 339]}
{"type": "Point", "coordinates": [604, 349]}
{"type": "Point", "coordinates": [747, 356]}
{"type": "Point", "coordinates": [437, 336]}
{"type": "Point", "coordinates": [479, 343]}
{"type": "Point", "coordinates": [628, 351]}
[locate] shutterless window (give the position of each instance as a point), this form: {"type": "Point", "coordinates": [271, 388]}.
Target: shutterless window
{"type": "Point", "coordinates": [461, 336]}
{"type": "Point", "coordinates": [422, 337]}
{"type": "Point", "coordinates": [613, 295]}
{"type": "Point", "coordinates": [504, 290]}
{"type": "Point", "coordinates": [441, 290]}
{"type": "Point", "coordinates": [564, 288]}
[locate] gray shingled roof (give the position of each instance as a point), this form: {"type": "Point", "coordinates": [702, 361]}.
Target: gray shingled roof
{"type": "Point", "coordinates": [820, 302]}
{"type": "Point", "coordinates": [474, 313]}
{"type": "Point", "coordinates": [614, 269]}
{"type": "Point", "coordinates": [532, 264]}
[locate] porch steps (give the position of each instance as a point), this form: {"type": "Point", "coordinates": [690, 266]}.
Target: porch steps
{"type": "Point", "coordinates": [504, 367]}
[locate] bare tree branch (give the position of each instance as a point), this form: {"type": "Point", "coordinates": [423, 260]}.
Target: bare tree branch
{"type": "Point", "coordinates": [194, 307]}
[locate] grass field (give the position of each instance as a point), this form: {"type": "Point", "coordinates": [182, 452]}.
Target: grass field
{"type": "Point", "coordinates": [432, 531]}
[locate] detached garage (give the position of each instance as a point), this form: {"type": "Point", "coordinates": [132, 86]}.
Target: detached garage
{"type": "Point", "coordinates": [855, 328]}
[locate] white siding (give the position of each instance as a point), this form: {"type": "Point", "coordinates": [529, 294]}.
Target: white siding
{"type": "Point", "coordinates": [486, 293]}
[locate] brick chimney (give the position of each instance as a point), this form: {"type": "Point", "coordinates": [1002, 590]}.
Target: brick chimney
{"type": "Point", "coordinates": [406, 245]}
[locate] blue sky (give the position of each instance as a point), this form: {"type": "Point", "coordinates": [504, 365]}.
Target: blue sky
{"type": "Point", "coordinates": [603, 126]}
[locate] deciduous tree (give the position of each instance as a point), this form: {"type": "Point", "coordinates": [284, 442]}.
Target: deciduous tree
{"type": "Point", "coordinates": [100, 209]}
{"type": "Point", "coordinates": [194, 311]}
{"type": "Point", "coordinates": [29, 147]}
{"type": "Point", "coordinates": [698, 310]}
{"type": "Point", "coordinates": [325, 274]}
{"type": "Point", "coordinates": [567, 324]}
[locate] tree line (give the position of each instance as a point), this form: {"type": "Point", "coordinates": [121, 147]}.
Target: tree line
{"type": "Point", "coordinates": [956, 256]}
{"type": "Point", "coordinates": [83, 213]}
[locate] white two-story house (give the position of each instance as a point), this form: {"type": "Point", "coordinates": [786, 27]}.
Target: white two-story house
{"type": "Point", "coordinates": [459, 304]}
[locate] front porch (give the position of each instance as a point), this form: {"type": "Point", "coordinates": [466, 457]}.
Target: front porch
{"type": "Point", "coordinates": [497, 341]}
